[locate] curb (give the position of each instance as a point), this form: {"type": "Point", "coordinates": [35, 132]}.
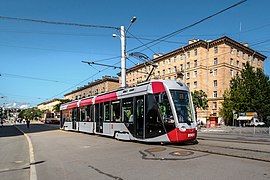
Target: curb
{"type": "Point", "coordinates": [33, 173]}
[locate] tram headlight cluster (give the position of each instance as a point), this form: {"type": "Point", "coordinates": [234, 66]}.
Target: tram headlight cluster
{"type": "Point", "coordinates": [183, 129]}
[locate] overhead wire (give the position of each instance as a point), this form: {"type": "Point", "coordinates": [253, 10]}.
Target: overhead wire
{"type": "Point", "coordinates": [157, 41]}
{"type": "Point", "coordinates": [82, 81]}
{"type": "Point", "coordinates": [29, 77]}
{"type": "Point", "coordinates": [58, 23]}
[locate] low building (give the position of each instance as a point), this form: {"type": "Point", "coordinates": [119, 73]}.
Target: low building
{"type": "Point", "coordinates": [50, 116]}
{"type": "Point", "coordinates": [107, 83]}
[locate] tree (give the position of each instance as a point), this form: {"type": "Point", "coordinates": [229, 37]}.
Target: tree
{"type": "Point", "coordinates": [248, 92]}
{"type": "Point", "coordinates": [199, 100]}
{"type": "Point", "coordinates": [30, 113]}
{"type": "Point", "coordinates": [56, 108]}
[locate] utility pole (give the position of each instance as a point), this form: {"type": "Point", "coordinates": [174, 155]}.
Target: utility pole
{"type": "Point", "coordinates": [123, 50]}
{"type": "Point", "coordinates": [123, 56]}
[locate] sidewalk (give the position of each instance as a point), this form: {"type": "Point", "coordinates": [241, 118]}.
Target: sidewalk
{"type": "Point", "coordinates": [253, 131]}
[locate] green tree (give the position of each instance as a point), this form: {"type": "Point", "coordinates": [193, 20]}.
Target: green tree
{"type": "Point", "coordinates": [200, 100]}
{"type": "Point", "coordinates": [30, 113]}
{"type": "Point", "coordinates": [56, 108]}
{"type": "Point", "coordinates": [248, 92]}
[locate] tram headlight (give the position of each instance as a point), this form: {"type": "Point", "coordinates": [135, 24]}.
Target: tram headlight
{"type": "Point", "coordinates": [183, 129]}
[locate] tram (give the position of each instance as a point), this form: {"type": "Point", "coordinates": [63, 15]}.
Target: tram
{"type": "Point", "coordinates": [154, 111]}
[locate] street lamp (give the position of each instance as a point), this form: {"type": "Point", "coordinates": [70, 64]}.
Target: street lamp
{"type": "Point", "coordinates": [123, 50]}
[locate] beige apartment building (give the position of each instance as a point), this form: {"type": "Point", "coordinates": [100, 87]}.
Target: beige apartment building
{"type": "Point", "coordinates": [49, 113]}
{"type": "Point", "coordinates": [107, 83]}
{"type": "Point", "coordinates": [202, 65]}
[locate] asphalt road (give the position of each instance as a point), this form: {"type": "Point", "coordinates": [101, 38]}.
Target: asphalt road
{"type": "Point", "coordinates": [14, 154]}
{"type": "Point", "coordinates": [70, 155]}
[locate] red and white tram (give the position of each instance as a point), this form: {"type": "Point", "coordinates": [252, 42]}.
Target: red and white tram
{"type": "Point", "coordinates": [154, 111]}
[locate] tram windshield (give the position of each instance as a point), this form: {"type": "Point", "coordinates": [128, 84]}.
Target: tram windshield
{"type": "Point", "coordinates": [182, 103]}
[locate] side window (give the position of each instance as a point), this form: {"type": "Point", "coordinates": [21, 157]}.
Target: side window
{"type": "Point", "coordinates": [87, 114]}
{"type": "Point", "coordinates": [115, 107]}
{"type": "Point", "coordinates": [91, 115]}
{"type": "Point", "coordinates": [127, 110]}
{"type": "Point", "coordinates": [107, 112]}
{"type": "Point", "coordinates": [82, 114]}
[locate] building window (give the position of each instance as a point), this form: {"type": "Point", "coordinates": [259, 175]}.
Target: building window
{"type": "Point", "coordinates": [188, 75]}
{"type": "Point", "coordinates": [237, 63]}
{"type": "Point", "coordinates": [174, 59]}
{"type": "Point", "coordinates": [231, 73]}
{"type": "Point", "coordinates": [231, 61]}
{"type": "Point", "coordinates": [195, 63]}
{"type": "Point", "coordinates": [188, 54]}
{"type": "Point", "coordinates": [195, 52]}
{"type": "Point", "coordinates": [163, 71]}
{"type": "Point", "coordinates": [215, 83]}
{"type": "Point", "coordinates": [259, 62]}
{"type": "Point", "coordinates": [215, 61]}
{"type": "Point", "coordinates": [237, 53]}
{"type": "Point", "coordinates": [158, 74]}
{"type": "Point", "coordinates": [188, 84]}
{"type": "Point", "coordinates": [175, 78]}
{"type": "Point", "coordinates": [216, 50]}
{"type": "Point", "coordinates": [175, 68]}
{"type": "Point", "coordinates": [181, 56]}
{"type": "Point", "coordinates": [243, 56]}
{"type": "Point", "coordinates": [163, 62]}
{"type": "Point", "coordinates": [169, 70]}
{"type": "Point", "coordinates": [169, 61]}
{"type": "Point", "coordinates": [231, 50]}
{"type": "Point", "coordinates": [215, 72]}
{"type": "Point", "coordinates": [195, 84]}
{"type": "Point", "coordinates": [214, 105]}
{"type": "Point", "coordinates": [188, 65]}
{"type": "Point", "coordinates": [195, 74]}
{"type": "Point", "coordinates": [249, 58]}
{"type": "Point", "coordinates": [181, 67]}
{"type": "Point", "coordinates": [169, 78]}
{"type": "Point", "coordinates": [215, 94]}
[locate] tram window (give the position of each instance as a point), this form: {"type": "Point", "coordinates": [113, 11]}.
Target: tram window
{"type": "Point", "coordinates": [87, 114]}
{"type": "Point", "coordinates": [91, 114]}
{"type": "Point", "coordinates": [165, 108]}
{"type": "Point", "coordinates": [82, 114]}
{"type": "Point", "coordinates": [107, 112]}
{"type": "Point", "coordinates": [127, 107]}
{"type": "Point", "coordinates": [153, 123]}
{"type": "Point", "coordinates": [66, 115]}
{"type": "Point", "coordinates": [74, 114]}
{"type": "Point", "coordinates": [116, 111]}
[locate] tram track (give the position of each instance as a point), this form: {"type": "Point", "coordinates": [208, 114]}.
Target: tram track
{"type": "Point", "coordinates": [239, 140]}
{"type": "Point", "coordinates": [230, 149]}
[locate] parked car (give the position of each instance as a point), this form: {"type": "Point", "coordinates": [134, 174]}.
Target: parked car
{"type": "Point", "coordinates": [256, 122]}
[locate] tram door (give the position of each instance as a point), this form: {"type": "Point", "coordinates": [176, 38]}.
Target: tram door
{"type": "Point", "coordinates": [74, 118]}
{"type": "Point", "coordinates": [99, 117]}
{"type": "Point", "coordinates": [139, 115]}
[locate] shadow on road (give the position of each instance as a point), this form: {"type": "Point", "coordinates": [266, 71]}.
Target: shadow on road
{"type": "Point", "coordinates": [11, 130]}
{"type": "Point", "coordinates": [7, 131]}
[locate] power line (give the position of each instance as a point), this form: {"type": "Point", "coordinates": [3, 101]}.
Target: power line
{"type": "Point", "coordinates": [57, 23]}
{"type": "Point", "coordinates": [185, 28]}
{"type": "Point", "coordinates": [142, 43]}
{"type": "Point", "coordinates": [29, 77]}
{"type": "Point", "coordinates": [81, 82]}
{"type": "Point", "coordinates": [47, 49]}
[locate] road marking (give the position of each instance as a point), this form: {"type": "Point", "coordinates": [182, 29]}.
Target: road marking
{"type": "Point", "coordinates": [33, 172]}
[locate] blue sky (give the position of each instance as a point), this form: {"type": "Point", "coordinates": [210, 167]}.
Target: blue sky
{"type": "Point", "coordinates": [43, 61]}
